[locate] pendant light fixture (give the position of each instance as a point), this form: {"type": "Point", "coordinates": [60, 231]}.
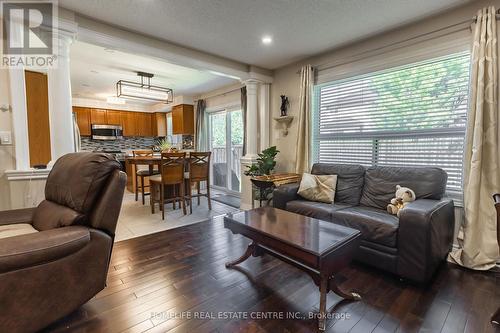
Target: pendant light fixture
{"type": "Point", "coordinates": [144, 90]}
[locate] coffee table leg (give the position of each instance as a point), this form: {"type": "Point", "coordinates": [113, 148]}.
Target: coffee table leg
{"type": "Point", "coordinates": [352, 296]}
{"type": "Point", "coordinates": [323, 290]}
{"type": "Point", "coordinates": [251, 249]}
{"type": "Point", "coordinates": [496, 318]}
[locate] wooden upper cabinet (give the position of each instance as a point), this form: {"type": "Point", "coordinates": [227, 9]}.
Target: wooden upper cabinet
{"type": "Point", "coordinates": [129, 123]}
{"type": "Point", "coordinates": [114, 117]}
{"type": "Point", "coordinates": [143, 121]}
{"type": "Point", "coordinates": [98, 116]}
{"type": "Point", "coordinates": [83, 120]}
{"type": "Point", "coordinates": [159, 124]}
{"type": "Point", "coordinates": [133, 123]}
{"type": "Point", "coordinates": [183, 119]}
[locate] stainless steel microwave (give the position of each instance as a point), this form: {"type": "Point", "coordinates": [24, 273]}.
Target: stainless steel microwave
{"type": "Point", "coordinates": [106, 132]}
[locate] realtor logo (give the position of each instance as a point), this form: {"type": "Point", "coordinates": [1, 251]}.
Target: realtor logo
{"type": "Point", "coordinates": [28, 33]}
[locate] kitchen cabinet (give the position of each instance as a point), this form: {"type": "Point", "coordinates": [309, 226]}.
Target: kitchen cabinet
{"type": "Point", "coordinates": [129, 123]}
{"type": "Point", "coordinates": [143, 122]}
{"type": "Point", "coordinates": [133, 123]}
{"type": "Point", "coordinates": [183, 119]}
{"type": "Point", "coordinates": [98, 116]}
{"type": "Point", "coordinates": [114, 117]}
{"type": "Point", "coordinates": [159, 124]}
{"type": "Point", "coordinates": [83, 120]}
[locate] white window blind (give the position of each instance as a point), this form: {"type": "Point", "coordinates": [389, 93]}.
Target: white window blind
{"type": "Point", "coordinates": [414, 115]}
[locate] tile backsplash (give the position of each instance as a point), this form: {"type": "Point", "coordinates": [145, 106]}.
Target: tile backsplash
{"type": "Point", "coordinates": [127, 143]}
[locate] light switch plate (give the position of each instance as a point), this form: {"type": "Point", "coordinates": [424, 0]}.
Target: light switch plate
{"type": "Point", "coordinates": [5, 138]}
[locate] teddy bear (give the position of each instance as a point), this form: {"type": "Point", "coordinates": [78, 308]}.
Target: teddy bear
{"type": "Point", "coordinates": [404, 196]}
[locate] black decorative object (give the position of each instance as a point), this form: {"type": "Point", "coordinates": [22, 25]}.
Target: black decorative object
{"type": "Point", "coordinates": [284, 105]}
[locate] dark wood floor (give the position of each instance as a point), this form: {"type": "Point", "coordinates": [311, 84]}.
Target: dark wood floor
{"type": "Point", "coordinates": [155, 279]}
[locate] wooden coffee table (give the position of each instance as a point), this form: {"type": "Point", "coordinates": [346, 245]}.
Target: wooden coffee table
{"type": "Point", "coordinates": [317, 247]}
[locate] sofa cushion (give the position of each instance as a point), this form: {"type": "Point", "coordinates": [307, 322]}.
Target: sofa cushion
{"type": "Point", "coordinates": [380, 184]}
{"type": "Point", "coordinates": [376, 225]}
{"type": "Point", "coordinates": [50, 215]}
{"type": "Point", "coordinates": [350, 180]}
{"type": "Point", "coordinates": [319, 210]}
{"type": "Point", "coordinates": [11, 230]}
{"type": "Point", "coordinates": [319, 188]}
{"type": "Point", "coordinates": [77, 179]}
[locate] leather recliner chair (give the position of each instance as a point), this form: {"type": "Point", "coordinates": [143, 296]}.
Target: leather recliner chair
{"type": "Point", "coordinates": [55, 257]}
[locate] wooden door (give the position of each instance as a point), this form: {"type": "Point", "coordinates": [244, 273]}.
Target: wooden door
{"type": "Point", "coordinates": [37, 106]}
{"type": "Point", "coordinates": [114, 117]}
{"type": "Point", "coordinates": [129, 123]}
{"type": "Point", "coordinates": [83, 120]}
{"type": "Point", "coordinates": [98, 116]}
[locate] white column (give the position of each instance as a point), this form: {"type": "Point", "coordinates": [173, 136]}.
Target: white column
{"type": "Point", "coordinates": [60, 104]}
{"type": "Point", "coordinates": [251, 142]}
{"type": "Point", "coordinates": [19, 118]}
{"type": "Point", "coordinates": [264, 116]}
{"type": "Point", "coordinates": [252, 118]}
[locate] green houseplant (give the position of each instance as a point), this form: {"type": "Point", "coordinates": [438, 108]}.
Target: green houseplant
{"type": "Point", "coordinates": [265, 163]}
{"type": "Point", "coordinates": [264, 166]}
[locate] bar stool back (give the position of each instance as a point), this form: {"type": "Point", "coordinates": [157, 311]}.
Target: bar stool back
{"type": "Point", "coordinates": [171, 174]}
{"type": "Point", "coordinates": [143, 173]}
{"type": "Point", "coordinates": [199, 171]}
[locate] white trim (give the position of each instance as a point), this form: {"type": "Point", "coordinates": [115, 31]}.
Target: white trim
{"type": "Point", "coordinates": [27, 174]}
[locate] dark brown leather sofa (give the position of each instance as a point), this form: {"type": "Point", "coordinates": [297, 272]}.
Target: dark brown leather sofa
{"type": "Point", "coordinates": [55, 257]}
{"type": "Point", "coordinates": [412, 246]}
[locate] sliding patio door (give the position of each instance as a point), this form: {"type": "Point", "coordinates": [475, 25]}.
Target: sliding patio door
{"type": "Point", "coordinates": [226, 145]}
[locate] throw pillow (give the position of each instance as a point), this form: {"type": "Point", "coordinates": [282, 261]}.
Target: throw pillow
{"type": "Point", "coordinates": [318, 187]}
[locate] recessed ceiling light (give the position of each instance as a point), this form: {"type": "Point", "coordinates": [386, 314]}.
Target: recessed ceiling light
{"type": "Point", "coordinates": [266, 40]}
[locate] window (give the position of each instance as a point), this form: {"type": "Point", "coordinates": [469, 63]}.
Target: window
{"type": "Point", "coordinates": [414, 115]}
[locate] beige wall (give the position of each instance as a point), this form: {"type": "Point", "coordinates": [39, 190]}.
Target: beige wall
{"type": "Point", "coordinates": [286, 79]}
{"type": "Point", "coordinates": [7, 154]}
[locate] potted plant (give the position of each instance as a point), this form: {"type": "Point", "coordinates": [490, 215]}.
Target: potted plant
{"type": "Point", "coordinates": [265, 163]}
{"type": "Point", "coordinates": [264, 167]}
{"type": "Point", "coordinates": [163, 145]}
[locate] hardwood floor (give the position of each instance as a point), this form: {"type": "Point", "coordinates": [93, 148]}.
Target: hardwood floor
{"type": "Point", "coordinates": [160, 282]}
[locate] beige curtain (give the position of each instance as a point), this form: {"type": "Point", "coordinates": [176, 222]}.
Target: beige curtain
{"type": "Point", "coordinates": [302, 156]}
{"type": "Point", "coordinates": [477, 236]}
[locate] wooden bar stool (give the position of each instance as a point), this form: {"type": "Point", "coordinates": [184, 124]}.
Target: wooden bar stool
{"type": "Point", "coordinates": [143, 173]}
{"type": "Point", "coordinates": [199, 171]}
{"type": "Point", "coordinates": [171, 176]}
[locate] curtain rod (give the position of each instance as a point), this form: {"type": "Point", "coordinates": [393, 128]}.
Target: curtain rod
{"type": "Point", "coordinates": [459, 27]}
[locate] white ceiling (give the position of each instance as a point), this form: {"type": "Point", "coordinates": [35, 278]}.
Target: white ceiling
{"type": "Point", "coordinates": [233, 28]}
{"type": "Point", "coordinates": [95, 71]}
